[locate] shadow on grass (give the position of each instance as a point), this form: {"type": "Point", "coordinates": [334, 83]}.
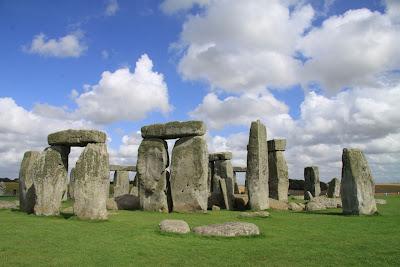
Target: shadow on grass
{"type": "Point", "coordinates": [66, 215]}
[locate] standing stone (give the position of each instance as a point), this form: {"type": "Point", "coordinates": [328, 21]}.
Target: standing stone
{"type": "Point", "coordinates": [121, 183]}
{"type": "Point", "coordinates": [210, 176]}
{"type": "Point", "coordinates": [50, 178]}
{"type": "Point", "coordinates": [224, 191]}
{"type": "Point", "coordinates": [334, 188]}
{"type": "Point", "coordinates": [357, 188]}
{"type": "Point", "coordinates": [71, 184]}
{"type": "Point", "coordinates": [311, 181]}
{"type": "Point", "coordinates": [223, 168]}
{"type": "Point", "coordinates": [92, 183]}
{"type": "Point", "coordinates": [2, 188]}
{"type": "Point", "coordinates": [189, 171]}
{"type": "Point", "coordinates": [27, 196]}
{"type": "Point", "coordinates": [152, 174]}
{"type": "Point", "coordinates": [257, 167]}
{"type": "Point", "coordinates": [278, 170]}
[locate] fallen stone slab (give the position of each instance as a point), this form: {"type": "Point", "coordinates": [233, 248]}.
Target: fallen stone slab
{"type": "Point", "coordinates": [229, 229]}
{"type": "Point", "coordinates": [254, 214]}
{"type": "Point", "coordinates": [380, 201]}
{"type": "Point", "coordinates": [329, 203]}
{"type": "Point", "coordinates": [215, 208]}
{"type": "Point", "coordinates": [277, 204]}
{"type": "Point", "coordinates": [314, 206]}
{"type": "Point", "coordinates": [295, 206]}
{"type": "Point", "coordinates": [173, 130]}
{"type": "Point", "coordinates": [76, 137]}
{"type": "Point", "coordinates": [220, 156]}
{"type": "Point", "coordinates": [174, 226]}
{"type": "Point", "coordinates": [129, 168]}
{"type": "Point", "coordinates": [8, 204]}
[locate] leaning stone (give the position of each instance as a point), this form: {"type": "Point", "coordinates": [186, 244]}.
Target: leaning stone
{"type": "Point", "coordinates": [76, 137]}
{"type": "Point", "coordinates": [254, 214]}
{"type": "Point", "coordinates": [380, 201]}
{"type": "Point", "coordinates": [175, 129]}
{"type": "Point", "coordinates": [334, 188]}
{"type": "Point", "coordinates": [294, 206]}
{"type": "Point", "coordinates": [311, 181]}
{"type": "Point", "coordinates": [220, 156]}
{"type": "Point", "coordinates": [224, 190]}
{"type": "Point", "coordinates": [313, 206]}
{"type": "Point", "coordinates": [277, 145]}
{"type": "Point", "coordinates": [50, 179]}
{"type": "Point", "coordinates": [8, 204]}
{"type": "Point", "coordinates": [121, 183]}
{"type": "Point", "coordinates": [152, 174]}
{"type": "Point", "coordinates": [278, 182]}
{"type": "Point", "coordinates": [215, 208]}
{"type": "Point", "coordinates": [130, 168]}
{"type": "Point", "coordinates": [224, 170]}
{"type": "Point", "coordinates": [189, 171]}
{"type": "Point", "coordinates": [229, 229]}
{"type": "Point", "coordinates": [277, 204]}
{"type": "Point", "coordinates": [357, 188]}
{"type": "Point", "coordinates": [127, 202]}
{"type": "Point", "coordinates": [27, 195]}
{"type": "Point", "coordinates": [92, 183]}
{"type": "Point", "coordinates": [257, 167]}
{"type": "Point", "coordinates": [174, 226]}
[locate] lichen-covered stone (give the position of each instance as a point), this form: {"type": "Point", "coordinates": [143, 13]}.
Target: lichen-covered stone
{"type": "Point", "coordinates": [229, 229]}
{"type": "Point", "coordinates": [311, 181]}
{"type": "Point", "coordinates": [92, 183]}
{"type": "Point", "coordinates": [278, 204]}
{"type": "Point", "coordinates": [257, 167]}
{"type": "Point", "coordinates": [294, 206]}
{"type": "Point", "coordinates": [189, 171]}
{"type": "Point", "coordinates": [220, 156]}
{"type": "Point", "coordinates": [76, 137]}
{"type": "Point", "coordinates": [50, 179]}
{"type": "Point", "coordinates": [357, 187]}
{"type": "Point", "coordinates": [174, 226]}
{"type": "Point", "coordinates": [130, 168]}
{"type": "Point", "coordinates": [278, 174]}
{"type": "Point", "coordinates": [175, 129]}
{"type": "Point", "coordinates": [27, 195]}
{"type": "Point", "coordinates": [223, 169]}
{"type": "Point", "coordinates": [334, 188]}
{"type": "Point", "coordinates": [254, 214]}
{"type": "Point", "coordinates": [314, 206]}
{"type": "Point", "coordinates": [152, 174]}
{"type": "Point", "coordinates": [277, 145]}
{"type": "Point", "coordinates": [121, 183]}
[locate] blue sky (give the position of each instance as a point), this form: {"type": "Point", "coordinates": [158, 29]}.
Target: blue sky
{"type": "Point", "coordinates": [323, 74]}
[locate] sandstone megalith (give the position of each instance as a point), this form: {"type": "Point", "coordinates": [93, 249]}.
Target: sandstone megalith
{"type": "Point", "coordinates": [278, 182]}
{"type": "Point", "coordinates": [27, 195]}
{"type": "Point", "coordinates": [223, 170]}
{"type": "Point", "coordinates": [173, 130]}
{"type": "Point", "coordinates": [311, 181]}
{"type": "Point", "coordinates": [257, 167]}
{"type": "Point", "coordinates": [334, 188]}
{"type": "Point", "coordinates": [76, 137]}
{"type": "Point", "coordinates": [357, 185]}
{"type": "Point", "coordinates": [121, 183]}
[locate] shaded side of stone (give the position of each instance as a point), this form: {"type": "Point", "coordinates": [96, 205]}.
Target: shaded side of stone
{"type": "Point", "coordinates": [220, 156]}
{"type": "Point", "coordinates": [224, 170]}
{"type": "Point", "coordinates": [27, 195]}
{"type": "Point", "coordinates": [334, 188]}
{"type": "Point", "coordinates": [278, 175]}
{"type": "Point", "coordinates": [311, 181]}
{"type": "Point", "coordinates": [121, 183]}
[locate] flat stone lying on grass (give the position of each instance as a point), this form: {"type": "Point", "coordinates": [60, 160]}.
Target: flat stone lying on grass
{"type": "Point", "coordinates": [277, 204]}
{"type": "Point", "coordinates": [8, 204]}
{"type": "Point", "coordinates": [215, 208]}
{"type": "Point", "coordinates": [174, 226]}
{"type": "Point", "coordinates": [295, 206]}
{"type": "Point", "coordinates": [380, 201]}
{"type": "Point", "coordinates": [229, 229]}
{"type": "Point", "coordinates": [254, 214]}
{"type": "Point", "coordinates": [174, 129]}
{"type": "Point", "coordinates": [329, 203]}
{"type": "Point", "coordinates": [313, 206]}
{"type": "Point", "coordinates": [76, 137]}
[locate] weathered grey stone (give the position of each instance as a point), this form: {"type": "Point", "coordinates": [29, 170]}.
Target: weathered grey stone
{"type": "Point", "coordinates": [174, 226]}
{"type": "Point", "coordinates": [277, 145]}
{"type": "Point", "coordinates": [329, 203]}
{"type": "Point", "coordinates": [254, 214]}
{"type": "Point", "coordinates": [278, 182]}
{"type": "Point", "coordinates": [134, 191]}
{"type": "Point", "coordinates": [224, 170]}
{"type": "Point", "coordinates": [224, 190]}
{"type": "Point", "coordinates": [50, 178]}
{"type": "Point", "coordinates": [220, 156]}
{"type": "Point", "coordinates": [380, 201]}
{"type": "Point", "coordinates": [257, 167]}
{"type": "Point", "coordinates": [229, 229]}
{"type": "Point", "coordinates": [189, 171]}
{"type": "Point", "coordinates": [69, 210]}
{"type": "Point", "coordinates": [357, 188]}
{"type": "Point", "coordinates": [152, 174]}
{"type": "Point", "coordinates": [130, 168]}
{"type": "Point", "coordinates": [76, 137]}
{"type": "Point", "coordinates": [71, 184]}
{"type": "Point", "coordinates": [314, 206]}
{"type": "Point", "coordinates": [308, 196]}
{"type": "Point", "coordinates": [215, 208]}
{"type": "Point", "coordinates": [92, 183]}
{"type": "Point", "coordinates": [2, 188]}
{"type": "Point", "coordinates": [175, 129]}
{"type": "Point", "coordinates": [334, 188]}
{"type": "Point", "coordinates": [311, 181]}
{"type": "Point", "coordinates": [127, 202]}
{"type": "Point", "coordinates": [239, 169]}
{"type": "Point", "coordinates": [8, 204]}
{"type": "Point", "coordinates": [27, 195]}
{"type": "Point", "coordinates": [210, 176]}
{"type": "Point", "coordinates": [294, 206]}
{"type": "Point", "coordinates": [111, 204]}
{"type": "Point", "coordinates": [277, 204]}
{"type": "Point", "coordinates": [121, 183]}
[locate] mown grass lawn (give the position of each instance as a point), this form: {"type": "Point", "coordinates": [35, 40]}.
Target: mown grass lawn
{"type": "Point", "coordinates": [132, 238]}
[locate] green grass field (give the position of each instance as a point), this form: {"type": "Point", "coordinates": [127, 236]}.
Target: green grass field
{"type": "Point", "coordinates": [132, 238]}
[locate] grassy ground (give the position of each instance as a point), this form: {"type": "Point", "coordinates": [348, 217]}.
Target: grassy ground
{"type": "Point", "coordinates": [132, 238]}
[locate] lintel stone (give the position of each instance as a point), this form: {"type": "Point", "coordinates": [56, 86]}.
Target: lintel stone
{"type": "Point", "coordinates": [130, 168]}
{"type": "Point", "coordinates": [276, 145]}
{"type": "Point", "coordinates": [174, 129]}
{"type": "Point", "coordinates": [220, 156]}
{"type": "Point", "coordinates": [76, 137]}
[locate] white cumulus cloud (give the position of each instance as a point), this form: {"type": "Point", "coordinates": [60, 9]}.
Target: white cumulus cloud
{"type": "Point", "coordinates": [172, 6]}
{"type": "Point", "coordinates": [111, 8]}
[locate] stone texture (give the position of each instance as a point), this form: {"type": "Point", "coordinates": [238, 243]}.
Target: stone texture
{"type": "Point", "coordinates": [278, 182]}
{"type": "Point", "coordinates": [189, 171]}
{"type": "Point", "coordinates": [2, 188]}
{"type": "Point", "coordinates": [127, 202]}
{"type": "Point", "coordinates": [257, 167]}
{"type": "Point", "coordinates": [130, 168]}
{"type": "Point", "coordinates": [278, 205]}
{"type": "Point", "coordinates": [254, 214]}
{"type": "Point", "coordinates": [380, 201]}
{"type": "Point", "coordinates": [27, 195]}
{"type": "Point", "coordinates": [215, 208]}
{"type": "Point", "coordinates": [224, 192]}
{"type": "Point", "coordinates": [294, 206]}
{"type": "Point", "coordinates": [224, 170]}
{"type": "Point", "coordinates": [50, 179]}
{"type": "Point", "coordinates": [229, 229]}
{"type": "Point", "coordinates": [241, 201]}
{"type": "Point", "coordinates": [8, 204]}
{"type": "Point", "coordinates": [220, 156]}
{"type": "Point", "coordinates": [277, 145]}
{"type": "Point", "coordinates": [76, 137]}
{"type": "Point", "coordinates": [71, 184]}
{"type": "Point", "coordinates": [210, 176]}
{"type": "Point", "coordinates": [314, 206]}
{"type": "Point", "coordinates": [311, 181]}
{"type": "Point", "coordinates": [174, 226]}
{"type": "Point", "coordinates": [92, 183]}
{"type": "Point", "coordinates": [111, 204]}
{"type": "Point", "coordinates": [152, 174]}
{"type": "Point", "coordinates": [239, 169]}
{"type": "Point", "coordinates": [175, 129]}
{"type": "Point", "coordinates": [334, 188]}
{"type": "Point", "coordinates": [329, 203]}
{"type": "Point", "coordinates": [357, 188]}
{"type": "Point", "coordinates": [121, 183]}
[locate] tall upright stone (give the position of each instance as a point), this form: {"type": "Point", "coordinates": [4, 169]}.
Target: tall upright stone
{"type": "Point", "coordinates": [27, 195]}
{"type": "Point", "coordinates": [278, 170]}
{"type": "Point", "coordinates": [92, 182]}
{"type": "Point", "coordinates": [152, 174]}
{"type": "Point", "coordinates": [357, 186]}
{"type": "Point", "coordinates": [50, 178]}
{"type": "Point", "coordinates": [121, 183]}
{"type": "Point", "coordinates": [311, 182]}
{"type": "Point", "coordinates": [189, 172]}
{"type": "Point", "coordinates": [334, 188]}
{"type": "Point", "coordinates": [257, 167]}
{"type": "Point", "coordinates": [71, 184]}
{"type": "Point", "coordinates": [223, 168]}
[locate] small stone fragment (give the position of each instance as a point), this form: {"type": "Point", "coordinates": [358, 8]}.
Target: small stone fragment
{"type": "Point", "coordinates": [277, 204]}
{"type": "Point", "coordinates": [314, 206]}
{"type": "Point", "coordinates": [174, 226]}
{"type": "Point", "coordinates": [215, 208]}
